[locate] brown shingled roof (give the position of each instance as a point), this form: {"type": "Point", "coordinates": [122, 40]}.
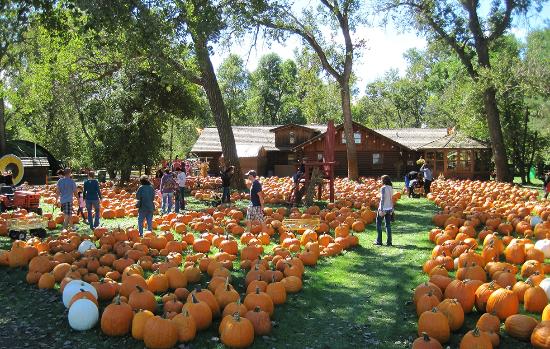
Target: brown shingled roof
{"type": "Point", "coordinates": [455, 140]}
{"type": "Point", "coordinates": [413, 138]}
{"type": "Point", "coordinates": [209, 139]}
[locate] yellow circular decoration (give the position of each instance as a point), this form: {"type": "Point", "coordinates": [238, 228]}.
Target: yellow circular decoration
{"type": "Point", "coordinates": [14, 164]}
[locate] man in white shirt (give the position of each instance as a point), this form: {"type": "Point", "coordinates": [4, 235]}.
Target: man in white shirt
{"type": "Point", "coordinates": [428, 177]}
{"type": "Point", "coordinates": [180, 195]}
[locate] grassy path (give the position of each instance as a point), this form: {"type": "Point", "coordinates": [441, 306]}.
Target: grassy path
{"type": "Point", "coordinates": [358, 300]}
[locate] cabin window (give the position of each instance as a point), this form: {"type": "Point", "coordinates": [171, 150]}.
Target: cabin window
{"type": "Point", "coordinates": [320, 156]}
{"type": "Point", "coordinates": [291, 158]}
{"type": "Point", "coordinates": [465, 162]}
{"type": "Point", "coordinates": [356, 137]}
{"type": "Point", "coordinates": [439, 161]}
{"type": "Point", "coordinates": [430, 156]}
{"type": "Point", "coordinates": [452, 158]}
{"type": "Point", "coordinates": [377, 159]}
{"type": "Point", "coordinates": [291, 138]}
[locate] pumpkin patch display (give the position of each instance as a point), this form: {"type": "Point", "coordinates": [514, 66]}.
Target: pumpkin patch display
{"type": "Point", "coordinates": [487, 264]}
{"type": "Point", "coordinates": [487, 256]}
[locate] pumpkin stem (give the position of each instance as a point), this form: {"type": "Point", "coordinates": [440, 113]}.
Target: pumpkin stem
{"type": "Point", "coordinates": [117, 299]}
{"type": "Point", "coordinates": [257, 309]}
{"type": "Point", "coordinates": [140, 289]}
{"type": "Point", "coordinates": [237, 316]}
{"type": "Point", "coordinates": [476, 332]}
{"type": "Point", "coordinates": [257, 290]}
{"type": "Point", "coordinates": [425, 336]}
{"type": "Point", "coordinates": [194, 299]}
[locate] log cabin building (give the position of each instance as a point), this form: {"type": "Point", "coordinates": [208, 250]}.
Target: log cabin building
{"type": "Point", "coordinates": [276, 150]}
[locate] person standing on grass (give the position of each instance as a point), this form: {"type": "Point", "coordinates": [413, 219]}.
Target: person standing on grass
{"type": "Point", "coordinates": [168, 186]}
{"type": "Point", "coordinates": [66, 189]}
{"type": "Point", "coordinates": [180, 193]}
{"type": "Point", "coordinates": [145, 196]}
{"type": "Point", "coordinates": [226, 183]}
{"type": "Point", "coordinates": [428, 177]}
{"type": "Point", "coordinates": [92, 195]}
{"type": "Point", "coordinates": [255, 211]}
{"type": "Point", "coordinates": [385, 210]}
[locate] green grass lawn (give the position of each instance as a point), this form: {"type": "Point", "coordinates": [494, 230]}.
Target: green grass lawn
{"type": "Point", "coordinates": [361, 299]}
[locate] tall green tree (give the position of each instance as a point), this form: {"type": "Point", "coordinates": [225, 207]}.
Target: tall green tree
{"type": "Point", "coordinates": [15, 17]}
{"type": "Point", "coordinates": [394, 101]}
{"type": "Point", "coordinates": [342, 17]}
{"type": "Point", "coordinates": [318, 95]}
{"type": "Point", "coordinates": [170, 30]}
{"type": "Point", "coordinates": [235, 84]}
{"type": "Point", "coordinates": [273, 91]}
{"type": "Point", "coordinates": [460, 26]}
{"type": "Point", "coordinates": [94, 100]}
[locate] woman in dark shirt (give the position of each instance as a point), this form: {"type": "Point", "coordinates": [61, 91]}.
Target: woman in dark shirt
{"type": "Point", "coordinates": [145, 196]}
{"type": "Point", "coordinates": [226, 183]}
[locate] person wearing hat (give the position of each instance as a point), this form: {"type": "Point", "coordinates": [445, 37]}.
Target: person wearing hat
{"type": "Point", "coordinates": [255, 211]}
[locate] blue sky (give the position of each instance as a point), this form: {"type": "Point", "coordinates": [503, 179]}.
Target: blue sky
{"type": "Point", "coordinates": [384, 51]}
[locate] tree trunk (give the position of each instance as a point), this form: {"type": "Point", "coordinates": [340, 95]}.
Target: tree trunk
{"type": "Point", "coordinates": [112, 173]}
{"type": "Point", "coordinates": [495, 132]}
{"type": "Point", "coordinates": [125, 175]}
{"type": "Point", "coordinates": [2, 127]}
{"type": "Point", "coordinates": [353, 169]}
{"type": "Point", "coordinates": [221, 118]}
{"type": "Point", "coordinates": [532, 156]}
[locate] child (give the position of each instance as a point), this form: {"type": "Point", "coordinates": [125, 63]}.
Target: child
{"type": "Point", "coordinates": [81, 205]}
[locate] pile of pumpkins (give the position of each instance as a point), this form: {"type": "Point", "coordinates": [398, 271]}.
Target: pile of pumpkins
{"type": "Point", "coordinates": [19, 214]}
{"type": "Point", "coordinates": [494, 238]}
{"type": "Point", "coordinates": [182, 313]}
{"type": "Point", "coordinates": [277, 190]}
{"type": "Point", "coordinates": [120, 267]}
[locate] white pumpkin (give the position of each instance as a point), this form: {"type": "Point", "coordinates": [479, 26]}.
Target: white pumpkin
{"type": "Point", "coordinates": [544, 246]}
{"type": "Point", "coordinates": [456, 263]}
{"type": "Point", "coordinates": [83, 315]}
{"type": "Point", "coordinates": [73, 287]}
{"type": "Point", "coordinates": [535, 220]}
{"type": "Point", "coordinates": [85, 246]}
{"type": "Point", "coordinates": [545, 285]}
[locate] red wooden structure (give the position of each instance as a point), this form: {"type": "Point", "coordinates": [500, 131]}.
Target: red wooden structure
{"type": "Point", "coordinates": [326, 168]}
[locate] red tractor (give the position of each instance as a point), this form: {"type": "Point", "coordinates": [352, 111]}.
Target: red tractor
{"type": "Point", "coordinates": [10, 199]}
